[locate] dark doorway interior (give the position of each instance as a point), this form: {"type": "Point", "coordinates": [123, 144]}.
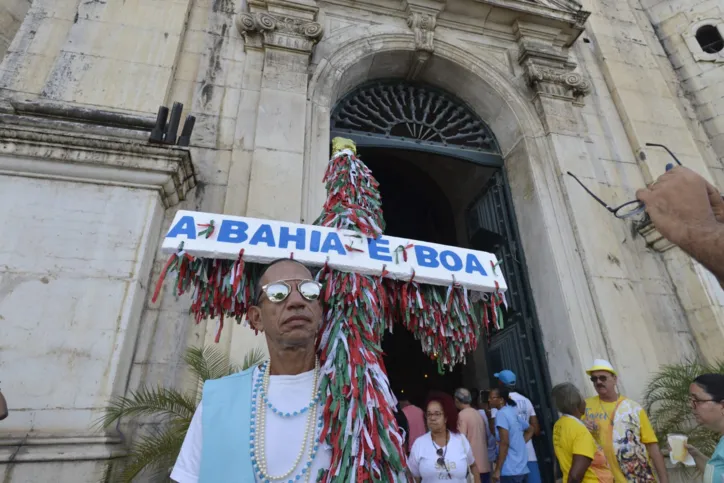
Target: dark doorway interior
{"type": "Point", "coordinates": [415, 207]}
{"type": "Point", "coordinates": [430, 197]}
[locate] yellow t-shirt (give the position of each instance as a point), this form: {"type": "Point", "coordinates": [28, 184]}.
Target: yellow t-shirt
{"type": "Point", "coordinates": [571, 437]}
{"type": "Point", "coordinates": [601, 412]}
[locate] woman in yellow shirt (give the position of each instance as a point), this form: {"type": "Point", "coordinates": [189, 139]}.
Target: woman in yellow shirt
{"type": "Point", "coordinates": [579, 456]}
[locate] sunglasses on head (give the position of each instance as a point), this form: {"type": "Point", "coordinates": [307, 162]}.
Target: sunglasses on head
{"type": "Point", "coordinates": [278, 291]}
{"type": "Point", "coordinates": [594, 379]}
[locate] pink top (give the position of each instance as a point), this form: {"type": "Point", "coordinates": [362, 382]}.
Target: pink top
{"type": "Point", "coordinates": [416, 421]}
{"type": "Point", "coordinates": [471, 424]}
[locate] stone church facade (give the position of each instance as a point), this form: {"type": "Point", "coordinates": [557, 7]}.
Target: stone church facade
{"type": "Point", "coordinates": [562, 85]}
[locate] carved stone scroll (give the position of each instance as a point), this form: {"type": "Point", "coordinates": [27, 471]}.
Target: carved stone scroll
{"type": "Point", "coordinates": [557, 82]}
{"type": "Point", "coordinates": [263, 28]}
{"type": "Point", "coordinates": [423, 26]}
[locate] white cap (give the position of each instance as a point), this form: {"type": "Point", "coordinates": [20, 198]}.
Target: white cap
{"type": "Point", "coordinates": [601, 365]}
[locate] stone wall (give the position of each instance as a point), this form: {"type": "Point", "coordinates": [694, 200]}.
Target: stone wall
{"type": "Point", "coordinates": [701, 74]}
{"type": "Point", "coordinates": [12, 13]}
{"type": "Point", "coordinates": [74, 279]}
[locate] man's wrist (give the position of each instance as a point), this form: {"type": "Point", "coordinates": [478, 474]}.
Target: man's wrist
{"type": "Point", "coordinates": [700, 235]}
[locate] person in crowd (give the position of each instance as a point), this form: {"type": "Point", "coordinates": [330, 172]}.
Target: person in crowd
{"type": "Point", "coordinates": [689, 212]}
{"type": "Point", "coordinates": [403, 425]}
{"type": "Point", "coordinates": [442, 454]}
{"type": "Point", "coordinates": [480, 402]}
{"type": "Point", "coordinates": [706, 394]}
{"type": "Point", "coordinates": [512, 463]}
{"type": "Point", "coordinates": [622, 428]}
{"type": "Point", "coordinates": [225, 440]}
{"type": "Point", "coordinates": [471, 424]}
{"type": "Point", "coordinates": [508, 379]}
{"type": "Point", "coordinates": [415, 421]}
{"type": "Point", "coordinates": [580, 458]}
{"type": "Point", "coordinates": [3, 407]}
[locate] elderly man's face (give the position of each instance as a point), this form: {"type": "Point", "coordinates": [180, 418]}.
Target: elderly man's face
{"type": "Point", "coordinates": [604, 382]}
{"type": "Point", "coordinates": [293, 322]}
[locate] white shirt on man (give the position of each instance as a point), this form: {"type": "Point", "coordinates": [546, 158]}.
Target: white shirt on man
{"type": "Point", "coordinates": [525, 411]}
{"type": "Point", "coordinates": [283, 435]}
{"type": "Point", "coordinates": [458, 457]}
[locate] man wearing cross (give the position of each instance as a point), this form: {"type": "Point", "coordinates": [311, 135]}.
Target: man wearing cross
{"type": "Point", "coordinates": [265, 421]}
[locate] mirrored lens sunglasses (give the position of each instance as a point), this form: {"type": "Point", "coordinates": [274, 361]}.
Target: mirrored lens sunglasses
{"type": "Point", "coordinates": [278, 291]}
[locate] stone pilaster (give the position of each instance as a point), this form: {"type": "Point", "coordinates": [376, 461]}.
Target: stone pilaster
{"type": "Point", "coordinates": [279, 38]}
{"type": "Point", "coordinates": [267, 160]}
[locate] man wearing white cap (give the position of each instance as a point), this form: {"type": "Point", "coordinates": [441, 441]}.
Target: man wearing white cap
{"type": "Point", "coordinates": [622, 428]}
{"type": "Point", "coordinates": [526, 412]}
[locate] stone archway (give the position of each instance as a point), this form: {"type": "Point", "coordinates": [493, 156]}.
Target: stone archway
{"type": "Point", "coordinates": [563, 299]}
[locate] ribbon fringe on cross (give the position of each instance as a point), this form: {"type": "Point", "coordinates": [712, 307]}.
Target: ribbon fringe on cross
{"type": "Point", "coordinates": [359, 422]}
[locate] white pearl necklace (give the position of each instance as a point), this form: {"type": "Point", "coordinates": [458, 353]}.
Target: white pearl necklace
{"type": "Point", "coordinates": [260, 430]}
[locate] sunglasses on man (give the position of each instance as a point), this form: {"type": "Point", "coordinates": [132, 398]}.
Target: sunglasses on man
{"type": "Point", "coordinates": [595, 379]}
{"type": "Point", "coordinates": [278, 291]}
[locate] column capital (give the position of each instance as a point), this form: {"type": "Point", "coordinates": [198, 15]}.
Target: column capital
{"type": "Point", "coordinates": [546, 66]}
{"type": "Point", "coordinates": [556, 82]}
{"type": "Point", "coordinates": [279, 30]}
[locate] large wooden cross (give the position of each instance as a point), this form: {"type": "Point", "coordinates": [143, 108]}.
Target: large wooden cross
{"type": "Point", "coordinates": [371, 282]}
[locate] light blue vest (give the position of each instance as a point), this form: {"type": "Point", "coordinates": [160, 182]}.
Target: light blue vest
{"type": "Point", "coordinates": [226, 428]}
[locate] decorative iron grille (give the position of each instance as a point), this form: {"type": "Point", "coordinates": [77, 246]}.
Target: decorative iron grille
{"type": "Point", "coordinates": [412, 112]}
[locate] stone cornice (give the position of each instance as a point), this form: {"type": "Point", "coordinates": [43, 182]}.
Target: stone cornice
{"type": "Point", "coordinates": [69, 448]}
{"type": "Point", "coordinates": [567, 12]}
{"type": "Point", "coordinates": [82, 157]}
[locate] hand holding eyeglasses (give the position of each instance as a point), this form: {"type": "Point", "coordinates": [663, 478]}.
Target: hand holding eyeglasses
{"type": "Point", "coordinates": [667, 197]}
{"type": "Point", "coordinates": [680, 202]}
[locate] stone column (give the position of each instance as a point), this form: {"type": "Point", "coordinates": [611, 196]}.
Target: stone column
{"type": "Point", "coordinates": [284, 34]}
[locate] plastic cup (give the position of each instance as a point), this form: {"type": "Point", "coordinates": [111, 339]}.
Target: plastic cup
{"type": "Point", "coordinates": [678, 442]}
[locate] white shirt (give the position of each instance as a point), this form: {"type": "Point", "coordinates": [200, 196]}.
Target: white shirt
{"type": "Point", "coordinates": [525, 411]}
{"type": "Point", "coordinates": [458, 458]}
{"type": "Point", "coordinates": [283, 435]}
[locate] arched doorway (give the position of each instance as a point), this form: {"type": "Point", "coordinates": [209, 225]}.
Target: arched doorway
{"type": "Point", "coordinates": [441, 177]}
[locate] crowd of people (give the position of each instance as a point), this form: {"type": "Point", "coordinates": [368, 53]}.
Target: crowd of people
{"type": "Point", "coordinates": [606, 438]}
{"type": "Point", "coordinates": [609, 438]}
{"type": "Point", "coordinates": [482, 435]}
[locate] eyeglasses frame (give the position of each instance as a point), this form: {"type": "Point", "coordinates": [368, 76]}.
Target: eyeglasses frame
{"type": "Point", "coordinates": [694, 401]}
{"type": "Point", "coordinates": [616, 210]}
